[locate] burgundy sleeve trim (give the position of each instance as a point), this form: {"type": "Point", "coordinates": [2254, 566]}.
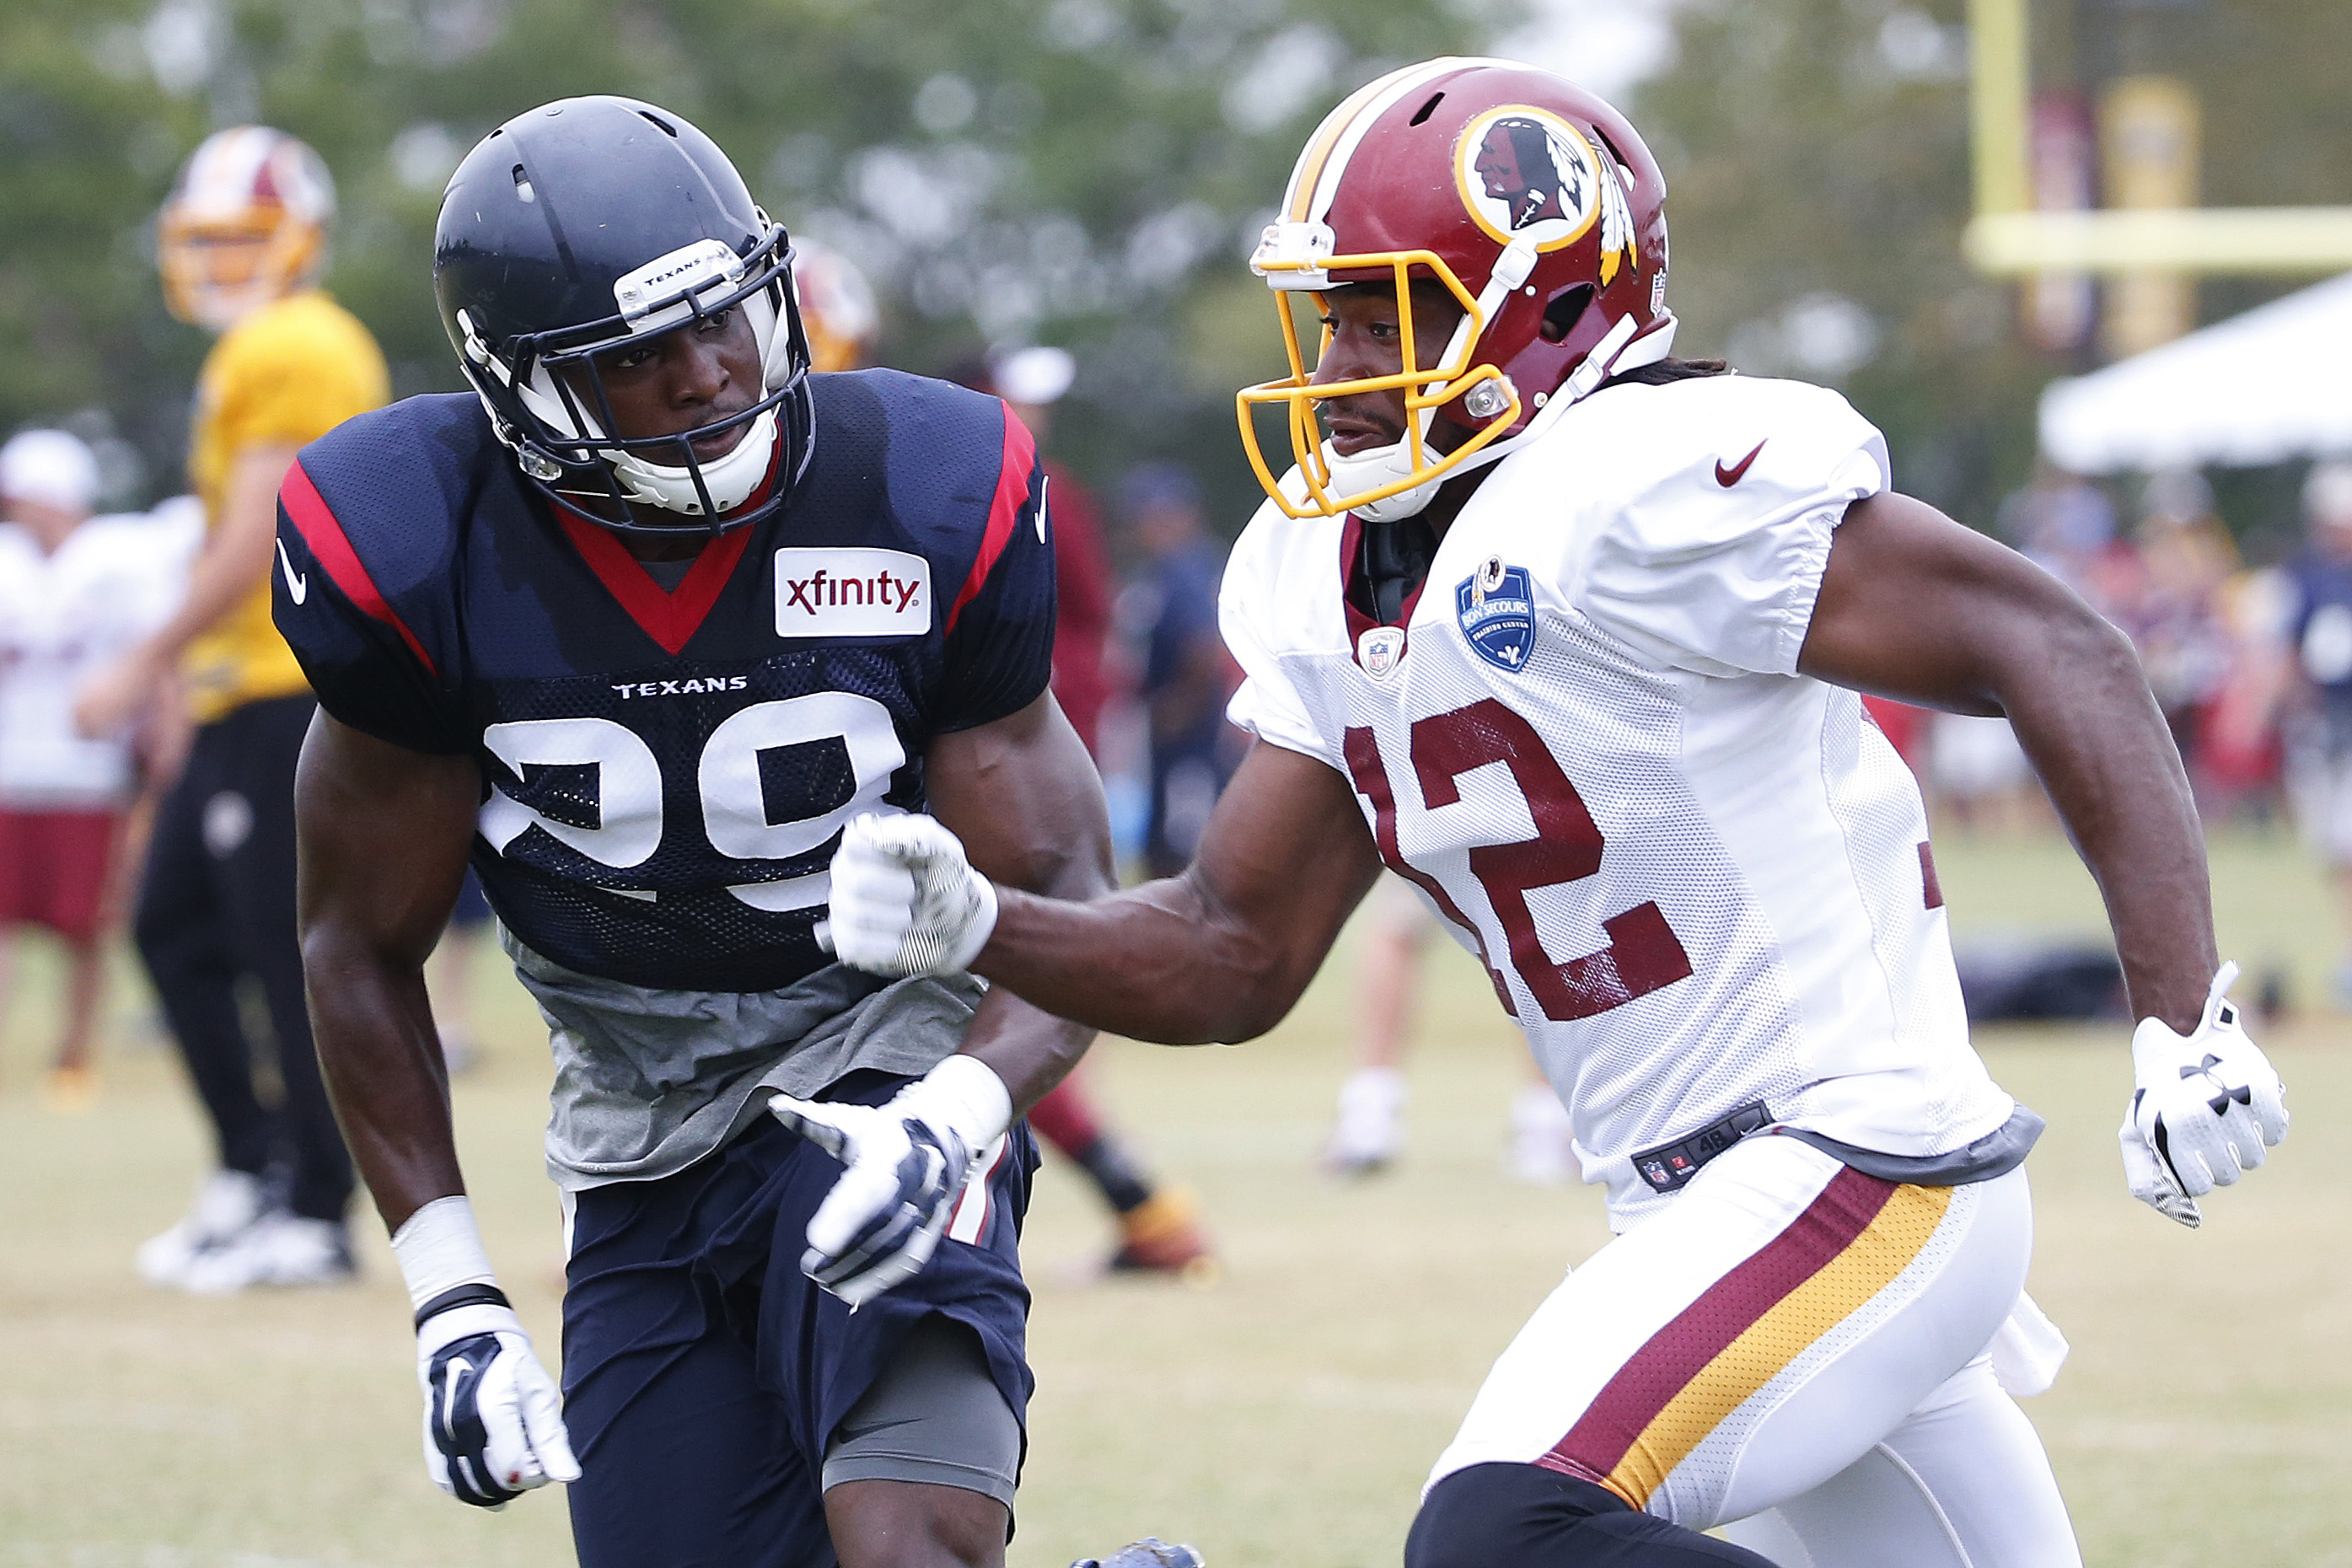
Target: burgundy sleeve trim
{"type": "Point", "coordinates": [1011, 489]}
{"type": "Point", "coordinates": [315, 522]}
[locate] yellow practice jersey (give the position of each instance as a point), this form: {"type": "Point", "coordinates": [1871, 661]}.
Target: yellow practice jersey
{"type": "Point", "coordinates": [286, 375]}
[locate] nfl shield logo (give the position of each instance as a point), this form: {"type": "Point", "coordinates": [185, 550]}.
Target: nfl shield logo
{"type": "Point", "coordinates": [1497, 608]}
{"type": "Point", "coordinates": [1379, 649]}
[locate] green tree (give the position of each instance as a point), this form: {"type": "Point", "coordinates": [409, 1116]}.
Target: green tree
{"type": "Point", "coordinates": [1816, 152]}
{"type": "Point", "coordinates": [1083, 171]}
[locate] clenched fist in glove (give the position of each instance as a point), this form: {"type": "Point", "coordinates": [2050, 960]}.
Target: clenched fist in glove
{"type": "Point", "coordinates": [905, 901]}
{"type": "Point", "coordinates": [493, 1419]}
{"type": "Point", "coordinates": [2205, 1108]}
{"type": "Point", "coordinates": [908, 1162]}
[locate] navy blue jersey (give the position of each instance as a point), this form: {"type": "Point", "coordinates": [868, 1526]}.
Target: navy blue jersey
{"type": "Point", "coordinates": [666, 773]}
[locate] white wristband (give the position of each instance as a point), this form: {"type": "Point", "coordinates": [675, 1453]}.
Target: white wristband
{"type": "Point", "coordinates": [440, 1247]}
{"type": "Point", "coordinates": [977, 1104]}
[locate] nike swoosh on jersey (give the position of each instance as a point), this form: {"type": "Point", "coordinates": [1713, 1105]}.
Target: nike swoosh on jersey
{"type": "Point", "coordinates": [1729, 477]}
{"type": "Point", "coordinates": [297, 585]}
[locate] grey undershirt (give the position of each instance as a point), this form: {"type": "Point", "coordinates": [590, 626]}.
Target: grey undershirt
{"type": "Point", "coordinates": [648, 1080]}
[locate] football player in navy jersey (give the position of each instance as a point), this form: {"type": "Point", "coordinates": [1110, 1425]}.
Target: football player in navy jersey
{"type": "Point", "coordinates": [636, 628]}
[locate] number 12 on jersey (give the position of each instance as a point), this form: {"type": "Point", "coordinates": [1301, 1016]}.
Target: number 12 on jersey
{"type": "Point", "coordinates": [1642, 955]}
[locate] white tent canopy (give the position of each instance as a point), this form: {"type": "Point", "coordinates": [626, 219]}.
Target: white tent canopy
{"type": "Point", "coordinates": [2270, 385]}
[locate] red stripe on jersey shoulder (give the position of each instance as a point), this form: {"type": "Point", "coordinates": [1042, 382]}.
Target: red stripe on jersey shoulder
{"type": "Point", "coordinates": [314, 520]}
{"type": "Point", "coordinates": [1011, 489]}
{"type": "Point", "coordinates": [669, 618]}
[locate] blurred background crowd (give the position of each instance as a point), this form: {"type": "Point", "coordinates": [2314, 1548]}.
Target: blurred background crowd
{"type": "Point", "coordinates": [1051, 198]}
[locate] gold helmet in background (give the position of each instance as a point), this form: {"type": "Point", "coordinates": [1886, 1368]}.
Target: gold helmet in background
{"type": "Point", "coordinates": [838, 307]}
{"type": "Point", "coordinates": [246, 224]}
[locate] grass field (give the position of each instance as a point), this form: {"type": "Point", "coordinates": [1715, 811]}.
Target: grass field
{"type": "Point", "coordinates": [1284, 1416]}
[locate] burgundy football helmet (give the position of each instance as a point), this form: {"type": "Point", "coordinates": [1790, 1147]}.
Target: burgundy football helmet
{"type": "Point", "coordinates": [1532, 201]}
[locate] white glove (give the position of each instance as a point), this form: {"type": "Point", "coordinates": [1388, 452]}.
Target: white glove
{"type": "Point", "coordinates": [493, 1419]}
{"type": "Point", "coordinates": [908, 1161]}
{"type": "Point", "coordinates": [2205, 1108]}
{"type": "Point", "coordinates": [905, 901]}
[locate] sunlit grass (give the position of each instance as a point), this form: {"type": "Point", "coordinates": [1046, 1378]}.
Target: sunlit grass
{"type": "Point", "coordinates": [1284, 1417]}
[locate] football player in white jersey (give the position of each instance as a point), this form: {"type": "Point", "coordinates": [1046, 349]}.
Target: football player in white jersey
{"type": "Point", "coordinates": [1569, 634]}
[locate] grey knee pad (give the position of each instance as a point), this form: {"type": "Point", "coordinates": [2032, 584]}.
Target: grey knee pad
{"type": "Point", "coordinates": [1523, 1516]}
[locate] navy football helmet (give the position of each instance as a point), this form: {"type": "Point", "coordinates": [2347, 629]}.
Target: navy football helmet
{"type": "Point", "coordinates": [584, 224]}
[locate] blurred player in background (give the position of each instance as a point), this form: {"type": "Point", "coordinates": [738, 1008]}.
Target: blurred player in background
{"type": "Point", "coordinates": [241, 244]}
{"type": "Point", "coordinates": [2316, 685]}
{"type": "Point", "coordinates": [1369, 1131]}
{"type": "Point", "coordinates": [634, 628]}
{"type": "Point", "coordinates": [74, 594]}
{"type": "Point", "coordinates": [1160, 1229]}
{"type": "Point", "coordinates": [1186, 673]}
{"type": "Point", "coordinates": [1584, 673]}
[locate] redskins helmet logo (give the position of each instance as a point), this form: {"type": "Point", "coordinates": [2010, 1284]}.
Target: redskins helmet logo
{"type": "Point", "coordinates": [1527, 173]}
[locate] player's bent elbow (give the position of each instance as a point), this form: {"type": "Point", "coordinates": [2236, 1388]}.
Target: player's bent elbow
{"type": "Point", "coordinates": [1260, 999]}
{"type": "Point", "coordinates": [2071, 646]}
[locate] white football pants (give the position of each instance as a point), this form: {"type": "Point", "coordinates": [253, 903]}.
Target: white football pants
{"type": "Point", "coordinates": [1792, 1339]}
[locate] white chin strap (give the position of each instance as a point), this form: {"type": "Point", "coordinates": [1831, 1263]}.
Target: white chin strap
{"type": "Point", "coordinates": [730, 479]}
{"type": "Point", "coordinates": [1617, 351]}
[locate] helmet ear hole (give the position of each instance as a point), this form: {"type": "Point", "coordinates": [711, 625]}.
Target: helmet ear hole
{"type": "Point", "coordinates": [1567, 307]}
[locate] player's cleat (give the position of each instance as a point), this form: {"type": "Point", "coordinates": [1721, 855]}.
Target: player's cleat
{"type": "Point", "coordinates": [71, 1091]}
{"type": "Point", "coordinates": [1149, 1552]}
{"type": "Point", "coordinates": [278, 1249]}
{"type": "Point", "coordinates": [227, 1203]}
{"type": "Point", "coordinates": [1369, 1133]}
{"type": "Point", "coordinates": [1540, 1152]}
{"type": "Point", "coordinates": [1162, 1235]}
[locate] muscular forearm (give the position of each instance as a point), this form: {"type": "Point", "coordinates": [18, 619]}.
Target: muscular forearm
{"type": "Point", "coordinates": [1153, 963]}
{"type": "Point", "coordinates": [2081, 711]}
{"type": "Point", "coordinates": [1030, 1048]}
{"type": "Point", "coordinates": [382, 1059]}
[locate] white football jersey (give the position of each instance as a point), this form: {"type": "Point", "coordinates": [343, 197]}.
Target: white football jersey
{"type": "Point", "coordinates": [1700, 880]}
{"type": "Point", "coordinates": [64, 617]}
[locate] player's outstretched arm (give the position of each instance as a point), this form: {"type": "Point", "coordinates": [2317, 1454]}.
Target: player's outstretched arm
{"type": "Point", "coordinates": [384, 833]}
{"type": "Point", "coordinates": [1219, 953]}
{"type": "Point", "coordinates": [1915, 606]}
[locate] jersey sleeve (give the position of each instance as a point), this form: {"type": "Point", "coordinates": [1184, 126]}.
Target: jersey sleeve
{"type": "Point", "coordinates": [1000, 625]}
{"type": "Point", "coordinates": [1712, 563]}
{"type": "Point", "coordinates": [1266, 703]}
{"type": "Point", "coordinates": [363, 657]}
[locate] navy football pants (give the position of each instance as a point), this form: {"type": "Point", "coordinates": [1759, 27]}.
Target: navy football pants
{"type": "Point", "coordinates": [704, 1374]}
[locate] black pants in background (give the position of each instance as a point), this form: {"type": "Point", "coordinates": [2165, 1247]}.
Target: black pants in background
{"type": "Point", "coordinates": [217, 905]}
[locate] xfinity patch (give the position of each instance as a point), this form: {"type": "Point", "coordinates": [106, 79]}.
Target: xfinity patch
{"type": "Point", "coordinates": [1497, 608]}
{"type": "Point", "coordinates": [852, 592]}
